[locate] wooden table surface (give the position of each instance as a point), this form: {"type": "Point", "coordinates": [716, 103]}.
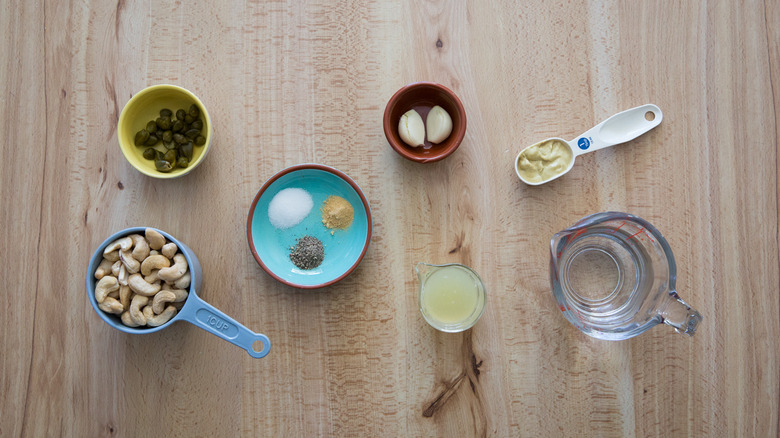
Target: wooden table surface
{"type": "Point", "coordinates": [289, 83]}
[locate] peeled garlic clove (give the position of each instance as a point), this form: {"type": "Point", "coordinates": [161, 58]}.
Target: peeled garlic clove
{"type": "Point", "coordinates": [438, 124]}
{"type": "Point", "coordinates": [411, 129]}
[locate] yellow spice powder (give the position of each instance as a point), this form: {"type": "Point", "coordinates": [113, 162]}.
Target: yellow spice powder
{"type": "Point", "coordinates": [337, 212]}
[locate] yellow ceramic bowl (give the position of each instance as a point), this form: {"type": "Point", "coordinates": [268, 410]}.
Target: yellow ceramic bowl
{"type": "Point", "coordinates": [146, 106]}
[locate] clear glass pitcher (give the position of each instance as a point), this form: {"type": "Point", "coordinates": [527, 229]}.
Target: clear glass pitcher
{"type": "Point", "coordinates": [452, 296]}
{"type": "Point", "coordinates": [613, 275]}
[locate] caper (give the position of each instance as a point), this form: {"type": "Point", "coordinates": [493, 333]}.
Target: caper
{"type": "Point", "coordinates": [178, 126]}
{"type": "Point", "coordinates": [194, 111]}
{"type": "Point", "coordinates": [167, 136]}
{"type": "Point", "coordinates": [182, 162]}
{"type": "Point", "coordinates": [165, 112]}
{"type": "Point", "coordinates": [178, 138]}
{"type": "Point", "coordinates": [158, 155]}
{"type": "Point", "coordinates": [170, 156]}
{"type": "Point", "coordinates": [141, 137]}
{"type": "Point", "coordinates": [192, 133]}
{"type": "Point", "coordinates": [200, 140]}
{"type": "Point", "coordinates": [163, 166]}
{"type": "Point", "coordinates": [152, 140]}
{"type": "Point", "coordinates": [197, 124]}
{"type": "Point", "coordinates": [186, 150]}
{"type": "Point", "coordinates": [180, 113]}
{"type": "Point", "coordinates": [188, 119]}
{"type": "Point", "coordinates": [149, 154]}
{"type": "Point", "coordinates": [164, 123]}
{"type": "Point", "coordinates": [170, 144]}
{"type": "Point", "coordinates": [151, 127]}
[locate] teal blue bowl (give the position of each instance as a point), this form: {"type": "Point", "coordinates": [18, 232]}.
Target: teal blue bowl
{"type": "Point", "coordinates": [344, 249]}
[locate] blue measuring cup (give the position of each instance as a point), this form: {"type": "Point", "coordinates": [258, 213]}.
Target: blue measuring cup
{"type": "Point", "coordinates": [195, 310]}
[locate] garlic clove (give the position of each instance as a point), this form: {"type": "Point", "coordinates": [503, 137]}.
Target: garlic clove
{"type": "Point", "coordinates": [411, 129]}
{"type": "Point", "coordinates": [438, 125]}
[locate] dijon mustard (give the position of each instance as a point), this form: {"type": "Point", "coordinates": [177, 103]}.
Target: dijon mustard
{"type": "Point", "coordinates": [544, 161]}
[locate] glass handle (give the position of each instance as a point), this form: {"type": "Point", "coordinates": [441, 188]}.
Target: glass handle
{"type": "Point", "coordinates": [678, 314]}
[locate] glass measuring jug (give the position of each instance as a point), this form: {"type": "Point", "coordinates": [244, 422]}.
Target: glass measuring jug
{"type": "Point", "coordinates": [451, 297]}
{"type": "Point", "coordinates": [613, 275]}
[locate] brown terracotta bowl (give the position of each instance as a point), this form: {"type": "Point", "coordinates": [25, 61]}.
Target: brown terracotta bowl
{"type": "Point", "coordinates": [422, 96]}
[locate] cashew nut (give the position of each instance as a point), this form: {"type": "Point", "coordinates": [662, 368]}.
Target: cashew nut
{"type": "Point", "coordinates": [181, 294]}
{"type": "Point", "coordinates": [169, 250]}
{"type": "Point", "coordinates": [127, 320]}
{"type": "Point", "coordinates": [111, 305]}
{"type": "Point", "coordinates": [141, 287]}
{"type": "Point", "coordinates": [140, 247]}
{"type": "Point", "coordinates": [113, 256]}
{"type": "Point", "coordinates": [105, 286]}
{"type": "Point", "coordinates": [131, 275]}
{"type": "Point", "coordinates": [153, 320]}
{"type": "Point", "coordinates": [176, 271]}
{"type": "Point", "coordinates": [128, 260]}
{"type": "Point", "coordinates": [183, 282]}
{"type": "Point", "coordinates": [115, 268]}
{"type": "Point", "coordinates": [152, 277]}
{"type": "Point", "coordinates": [124, 244]}
{"type": "Point", "coordinates": [161, 299]}
{"type": "Point", "coordinates": [154, 262]}
{"type": "Point", "coordinates": [122, 276]}
{"type": "Point", "coordinates": [135, 309]}
{"type": "Point", "coordinates": [125, 296]}
{"type": "Point", "coordinates": [156, 240]}
{"type": "Point", "coordinates": [103, 269]}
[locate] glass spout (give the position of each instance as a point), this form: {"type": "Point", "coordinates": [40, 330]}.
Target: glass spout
{"type": "Point", "coordinates": [678, 314]}
{"type": "Point", "coordinates": [423, 270]}
{"type": "Point", "coordinates": [555, 242]}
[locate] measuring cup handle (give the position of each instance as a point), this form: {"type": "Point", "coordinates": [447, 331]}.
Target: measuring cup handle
{"type": "Point", "coordinates": [619, 128]}
{"type": "Point", "coordinates": [678, 314]}
{"type": "Point", "coordinates": [213, 320]}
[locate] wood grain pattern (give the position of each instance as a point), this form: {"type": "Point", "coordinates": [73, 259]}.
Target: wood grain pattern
{"type": "Point", "coordinates": [293, 82]}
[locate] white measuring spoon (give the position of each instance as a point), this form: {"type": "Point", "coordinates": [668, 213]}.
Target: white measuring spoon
{"type": "Point", "coordinates": [620, 128]}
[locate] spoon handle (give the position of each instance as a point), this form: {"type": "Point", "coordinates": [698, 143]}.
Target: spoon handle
{"type": "Point", "coordinates": [214, 321]}
{"type": "Point", "coordinates": [620, 128]}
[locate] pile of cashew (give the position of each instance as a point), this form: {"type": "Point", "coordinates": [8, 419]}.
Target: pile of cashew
{"type": "Point", "coordinates": [143, 279]}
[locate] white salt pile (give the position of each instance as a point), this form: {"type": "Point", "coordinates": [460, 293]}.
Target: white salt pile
{"type": "Point", "coordinates": [289, 207]}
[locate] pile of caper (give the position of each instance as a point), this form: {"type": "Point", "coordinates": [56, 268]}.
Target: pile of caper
{"type": "Point", "coordinates": [179, 135]}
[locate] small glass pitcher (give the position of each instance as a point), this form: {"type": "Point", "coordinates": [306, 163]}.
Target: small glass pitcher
{"type": "Point", "coordinates": [451, 297]}
{"type": "Point", "coordinates": [613, 275]}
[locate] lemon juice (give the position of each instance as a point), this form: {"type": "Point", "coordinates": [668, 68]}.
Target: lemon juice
{"type": "Point", "coordinates": [452, 297]}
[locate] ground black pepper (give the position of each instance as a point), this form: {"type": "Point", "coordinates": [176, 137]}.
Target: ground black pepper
{"type": "Point", "coordinates": [307, 253]}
